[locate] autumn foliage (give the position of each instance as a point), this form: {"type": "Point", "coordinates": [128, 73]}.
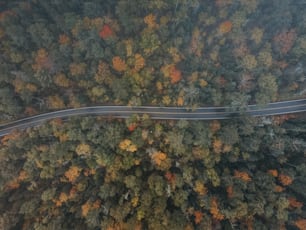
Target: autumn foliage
{"type": "Point", "coordinates": [132, 127]}
{"type": "Point", "coordinates": [217, 145]}
{"type": "Point", "coordinates": [139, 62]}
{"type": "Point", "coordinates": [62, 81]}
{"type": "Point", "coordinates": [172, 72]}
{"type": "Point", "coordinates": [63, 197]}
{"type": "Point", "coordinates": [285, 179]}
{"type": "Point", "coordinates": [215, 126]}
{"type": "Point", "coordinates": [77, 69]}
{"type": "Point", "coordinates": [15, 182]}
{"type": "Point", "coordinates": [200, 188]}
{"type": "Point", "coordinates": [127, 145]}
{"type": "Point", "coordinates": [225, 27]}
{"type": "Point", "coordinates": [42, 61]}
{"type": "Point", "coordinates": [150, 20]}
{"type": "Point", "coordinates": [285, 40]}
{"type": "Point", "coordinates": [198, 216]}
{"type": "Point", "coordinates": [145, 172]}
{"type": "Point", "coordinates": [158, 157]}
{"type": "Point", "coordinates": [118, 64]}
{"type": "Point", "coordinates": [170, 178]}
{"type": "Point", "coordinates": [294, 203]}
{"type": "Point", "coordinates": [30, 111]}
{"type": "Point", "coordinates": [83, 149]}
{"type": "Point", "coordinates": [10, 137]}
{"type": "Point", "coordinates": [55, 102]}
{"type": "Point", "coordinates": [106, 32]}
{"type": "Point", "coordinates": [89, 205]}
{"type": "Point", "coordinates": [103, 74]}
{"type": "Point", "coordinates": [300, 224]}
{"type": "Point", "coordinates": [278, 188]}
{"type": "Point", "coordinates": [64, 39]}
{"type": "Point", "coordinates": [273, 172]}
{"type": "Point", "coordinates": [242, 175]}
{"type": "Point", "coordinates": [72, 173]}
{"type": "Point", "coordinates": [230, 191]}
{"type": "Point", "coordinates": [214, 210]}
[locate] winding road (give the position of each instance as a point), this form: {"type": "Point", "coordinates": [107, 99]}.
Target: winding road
{"type": "Point", "coordinates": [169, 113]}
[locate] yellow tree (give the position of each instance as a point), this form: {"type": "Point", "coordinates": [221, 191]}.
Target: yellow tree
{"type": "Point", "coordinates": [61, 80]}
{"type": "Point", "coordinates": [72, 173]}
{"type": "Point", "coordinates": [83, 149]}
{"type": "Point", "coordinates": [55, 102]}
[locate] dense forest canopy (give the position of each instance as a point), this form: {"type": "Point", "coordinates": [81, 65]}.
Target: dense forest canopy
{"type": "Point", "coordinates": [139, 173]}
{"type": "Point", "coordinates": [58, 55]}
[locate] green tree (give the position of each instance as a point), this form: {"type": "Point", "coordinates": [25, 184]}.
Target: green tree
{"type": "Point", "coordinates": [267, 87]}
{"type": "Point", "coordinates": [229, 134]}
{"type": "Point", "coordinates": [10, 105]}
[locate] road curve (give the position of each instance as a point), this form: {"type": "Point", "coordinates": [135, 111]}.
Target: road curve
{"type": "Point", "coordinates": [169, 113]}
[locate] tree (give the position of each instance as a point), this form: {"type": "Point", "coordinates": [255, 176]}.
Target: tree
{"type": "Point", "coordinates": [120, 88]}
{"type": "Point", "coordinates": [201, 133]}
{"type": "Point", "coordinates": [176, 142]}
{"type": "Point", "coordinates": [55, 102]}
{"type": "Point", "coordinates": [238, 101]}
{"type": "Point", "coordinates": [9, 103]}
{"type": "Point", "coordinates": [229, 134]}
{"type": "Point", "coordinates": [267, 89]}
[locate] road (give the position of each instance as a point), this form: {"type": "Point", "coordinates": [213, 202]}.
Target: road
{"type": "Point", "coordinates": [169, 113]}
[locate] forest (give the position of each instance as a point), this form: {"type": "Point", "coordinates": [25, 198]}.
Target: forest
{"type": "Point", "coordinates": [94, 172]}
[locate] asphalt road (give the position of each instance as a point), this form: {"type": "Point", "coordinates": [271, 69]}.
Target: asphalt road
{"type": "Point", "coordinates": [167, 113]}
